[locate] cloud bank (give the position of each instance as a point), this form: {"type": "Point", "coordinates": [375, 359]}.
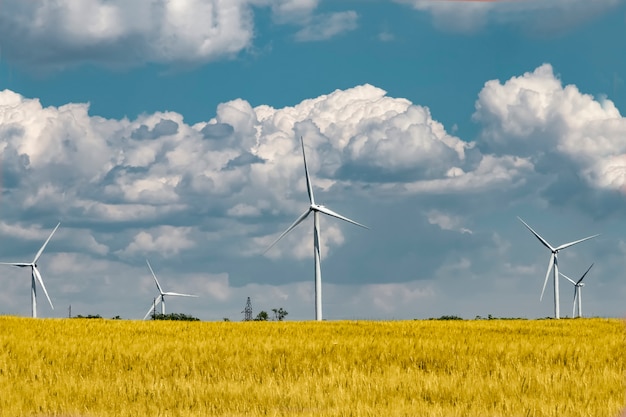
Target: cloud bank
{"type": "Point", "coordinates": [245, 163]}
{"type": "Point", "coordinates": [535, 116]}
{"type": "Point", "coordinates": [212, 195]}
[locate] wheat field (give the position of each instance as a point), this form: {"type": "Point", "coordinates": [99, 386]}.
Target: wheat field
{"type": "Point", "coordinates": [486, 368]}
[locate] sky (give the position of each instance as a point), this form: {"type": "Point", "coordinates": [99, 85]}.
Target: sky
{"type": "Point", "coordinates": [169, 131]}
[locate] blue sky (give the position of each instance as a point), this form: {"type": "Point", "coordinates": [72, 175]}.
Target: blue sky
{"type": "Point", "coordinates": [169, 131]}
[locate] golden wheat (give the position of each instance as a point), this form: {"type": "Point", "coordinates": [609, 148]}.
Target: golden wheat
{"type": "Point", "coordinates": [411, 368]}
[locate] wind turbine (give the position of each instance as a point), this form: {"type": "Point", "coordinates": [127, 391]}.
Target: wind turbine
{"type": "Point", "coordinates": [315, 209]}
{"type": "Point", "coordinates": [35, 275]}
{"type": "Point", "coordinates": [553, 263]}
{"type": "Point", "coordinates": [578, 286]}
{"type": "Point", "coordinates": [161, 297]}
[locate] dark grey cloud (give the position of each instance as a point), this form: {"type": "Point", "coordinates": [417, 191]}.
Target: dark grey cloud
{"type": "Point", "coordinates": [243, 160]}
{"type": "Point", "coordinates": [162, 128]}
{"type": "Point", "coordinates": [217, 130]}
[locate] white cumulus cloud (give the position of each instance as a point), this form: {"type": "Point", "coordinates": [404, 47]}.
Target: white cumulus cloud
{"type": "Point", "coordinates": [244, 163]}
{"type": "Point", "coordinates": [164, 240]}
{"type": "Point", "coordinates": [54, 34]}
{"type": "Point", "coordinates": [535, 116]}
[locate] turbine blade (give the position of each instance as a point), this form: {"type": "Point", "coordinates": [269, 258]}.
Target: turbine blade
{"type": "Point", "coordinates": [45, 243]}
{"type": "Point", "coordinates": [155, 278]}
{"type": "Point", "coordinates": [567, 245]}
{"type": "Point", "coordinates": [18, 264]}
{"type": "Point", "coordinates": [294, 224]}
{"type": "Point", "coordinates": [567, 278]}
{"type": "Point", "coordinates": [177, 294]}
{"type": "Point", "coordinates": [38, 276]}
{"type": "Point", "coordinates": [581, 278]}
{"type": "Point", "coordinates": [328, 211]}
{"type": "Point", "coordinates": [309, 187]}
{"type": "Point", "coordinates": [542, 240]}
{"type": "Point", "coordinates": [153, 307]}
{"type": "Point", "coordinates": [550, 265]}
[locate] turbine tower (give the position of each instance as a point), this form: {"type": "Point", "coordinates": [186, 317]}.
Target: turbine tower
{"type": "Point", "coordinates": [553, 265]}
{"type": "Point", "coordinates": [578, 286]}
{"type": "Point", "coordinates": [162, 294]}
{"type": "Point", "coordinates": [316, 209]}
{"type": "Point", "coordinates": [35, 275]}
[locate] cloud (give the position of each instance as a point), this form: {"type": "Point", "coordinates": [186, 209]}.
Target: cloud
{"type": "Point", "coordinates": [57, 34]}
{"type": "Point", "coordinates": [407, 144]}
{"type": "Point", "coordinates": [326, 26]}
{"type": "Point", "coordinates": [34, 233]}
{"type": "Point", "coordinates": [447, 222]}
{"type": "Point", "coordinates": [386, 297]}
{"type": "Point", "coordinates": [386, 36]}
{"type": "Point", "coordinates": [532, 16]}
{"type": "Point", "coordinates": [216, 286]}
{"type": "Point", "coordinates": [293, 10]}
{"type": "Point", "coordinates": [536, 117]}
{"type": "Point", "coordinates": [164, 241]}
{"type": "Point", "coordinates": [244, 210]}
{"type": "Point", "coordinates": [299, 244]}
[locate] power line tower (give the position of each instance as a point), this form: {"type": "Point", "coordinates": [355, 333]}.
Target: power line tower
{"type": "Point", "coordinates": [247, 311]}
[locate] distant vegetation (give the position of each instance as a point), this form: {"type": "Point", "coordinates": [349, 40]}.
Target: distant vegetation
{"type": "Point", "coordinates": [489, 317]}
{"type": "Point", "coordinates": [174, 317]}
{"type": "Point", "coordinates": [279, 315]}
{"type": "Point", "coordinates": [262, 316]}
{"type": "Point", "coordinates": [93, 316]}
{"type": "Point", "coordinates": [89, 316]}
{"type": "Point", "coordinates": [447, 318]}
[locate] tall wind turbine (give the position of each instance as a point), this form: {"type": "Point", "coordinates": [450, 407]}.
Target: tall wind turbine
{"type": "Point", "coordinates": [554, 265]}
{"type": "Point", "coordinates": [578, 286]}
{"type": "Point", "coordinates": [162, 294]}
{"type": "Point", "coordinates": [35, 275]}
{"type": "Point", "coordinates": [315, 209]}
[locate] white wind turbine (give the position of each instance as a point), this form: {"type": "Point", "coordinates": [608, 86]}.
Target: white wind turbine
{"type": "Point", "coordinates": [161, 297]}
{"type": "Point", "coordinates": [35, 275]}
{"type": "Point", "coordinates": [315, 209]}
{"type": "Point", "coordinates": [554, 263]}
{"type": "Point", "coordinates": [578, 286]}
